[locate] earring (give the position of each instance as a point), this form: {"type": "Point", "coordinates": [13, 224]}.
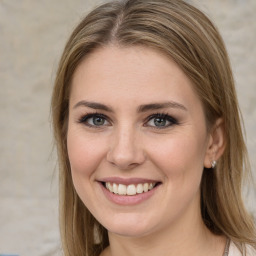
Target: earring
{"type": "Point", "coordinates": [214, 164]}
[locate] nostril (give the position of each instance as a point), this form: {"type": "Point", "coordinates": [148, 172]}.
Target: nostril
{"type": "Point", "coordinates": [125, 159]}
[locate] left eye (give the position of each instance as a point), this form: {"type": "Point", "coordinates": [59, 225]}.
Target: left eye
{"type": "Point", "coordinates": [161, 121]}
{"type": "Point", "coordinates": [97, 120]}
{"type": "Point", "coordinates": [94, 120]}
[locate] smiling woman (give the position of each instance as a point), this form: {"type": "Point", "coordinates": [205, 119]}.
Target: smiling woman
{"type": "Point", "coordinates": [147, 126]}
{"type": "Point", "coordinates": [135, 138]}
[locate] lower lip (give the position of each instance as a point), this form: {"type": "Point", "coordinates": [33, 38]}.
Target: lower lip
{"type": "Point", "coordinates": [128, 200]}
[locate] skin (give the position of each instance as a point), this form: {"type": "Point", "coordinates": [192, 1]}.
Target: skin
{"type": "Point", "coordinates": [128, 143]}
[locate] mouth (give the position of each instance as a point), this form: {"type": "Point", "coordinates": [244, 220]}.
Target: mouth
{"type": "Point", "coordinates": [130, 189]}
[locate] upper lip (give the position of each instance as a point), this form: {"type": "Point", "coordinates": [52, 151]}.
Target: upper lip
{"type": "Point", "coordinates": [128, 181]}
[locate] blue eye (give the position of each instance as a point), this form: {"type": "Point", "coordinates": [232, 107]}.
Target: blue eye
{"type": "Point", "coordinates": [160, 121]}
{"type": "Point", "coordinates": [94, 120]}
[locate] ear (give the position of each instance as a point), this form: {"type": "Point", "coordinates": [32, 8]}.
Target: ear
{"type": "Point", "coordinates": [216, 144]}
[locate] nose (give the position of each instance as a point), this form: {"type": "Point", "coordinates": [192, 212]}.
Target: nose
{"type": "Point", "coordinates": [125, 150]}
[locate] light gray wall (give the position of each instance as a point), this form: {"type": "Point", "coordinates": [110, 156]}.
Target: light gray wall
{"type": "Point", "coordinates": [32, 36]}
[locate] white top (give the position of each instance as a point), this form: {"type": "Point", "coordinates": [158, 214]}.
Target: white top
{"type": "Point", "coordinates": [233, 251]}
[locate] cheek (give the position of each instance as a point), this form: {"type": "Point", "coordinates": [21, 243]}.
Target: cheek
{"type": "Point", "coordinates": [181, 158]}
{"type": "Point", "coordinates": [84, 153]}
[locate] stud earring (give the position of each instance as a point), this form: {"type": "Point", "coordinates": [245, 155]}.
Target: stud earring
{"type": "Point", "coordinates": [214, 164]}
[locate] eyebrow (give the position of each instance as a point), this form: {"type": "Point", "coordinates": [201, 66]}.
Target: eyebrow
{"type": "Point", "coordinates": [93, 105]}
{"type": "Point", "coordinates": [155, 106]}
{"type": "Point", "coordinates": [140, 109]}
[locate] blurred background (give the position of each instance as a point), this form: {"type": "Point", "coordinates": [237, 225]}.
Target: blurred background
{"type": "Point", "coordinates": [32, 37]}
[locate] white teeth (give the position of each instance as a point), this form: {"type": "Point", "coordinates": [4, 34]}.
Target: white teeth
{"type": "Point", "coordinates": [145, 187]}
{"type": "Point", "coordinates": [115, 188]}
{"type": "Point", "coordinates": [110, 187]}
{"type": "Point", "coordinates": [130, 190]}
{"type": "Point", "coordinates": [122, 189]}
{"type": "Point", "coordinates": [139, 188]}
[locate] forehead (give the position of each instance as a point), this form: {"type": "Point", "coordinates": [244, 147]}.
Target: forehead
{"type": "Point", "coordinates": [132, 74]}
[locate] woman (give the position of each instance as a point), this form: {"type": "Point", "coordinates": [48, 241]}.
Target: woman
{"type": "Point", "coordinates": [149, 139]}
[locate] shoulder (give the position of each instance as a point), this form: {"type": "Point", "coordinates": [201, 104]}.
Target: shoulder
{"type": "Point", "coordinates": [234, 251]}
{"type": "Point", "coordinates": [250, 251]}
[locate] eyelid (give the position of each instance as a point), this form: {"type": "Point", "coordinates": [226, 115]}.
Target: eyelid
{"type": "Point", "coordinates": [172, 121]}
{"type": "Point", "coordinates": [83, 119]}
{"type": "Point", "coordinates": [169, 118]}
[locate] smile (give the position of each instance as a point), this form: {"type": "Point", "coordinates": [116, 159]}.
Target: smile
{"type": "Point", "coordinates": [129, 190]}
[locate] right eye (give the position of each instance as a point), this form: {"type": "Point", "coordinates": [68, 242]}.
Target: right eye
{"type": "Point", "coordinates": [94, 120]}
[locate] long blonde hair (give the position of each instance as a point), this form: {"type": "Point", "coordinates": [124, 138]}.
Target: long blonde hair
{"type": "Point", "coordinates": [188, 37]}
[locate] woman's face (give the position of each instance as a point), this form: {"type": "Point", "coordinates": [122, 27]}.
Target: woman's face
{"type": "Point", "coordinates": [137, 140]}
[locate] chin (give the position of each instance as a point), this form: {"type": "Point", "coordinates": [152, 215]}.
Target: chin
{"type": "Point", "coordinates": [134, 227]}
{"type": "Point", "coordinates": [129, 232]}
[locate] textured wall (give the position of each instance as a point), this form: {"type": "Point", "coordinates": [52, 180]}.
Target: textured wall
{"type": "Point", "coordinates": [32, 35]}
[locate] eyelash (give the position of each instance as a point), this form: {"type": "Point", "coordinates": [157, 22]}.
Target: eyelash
{"type": "Point", "coordinates": [166, 117]}
{"type": "Point", "coordinates": [84, 119]}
